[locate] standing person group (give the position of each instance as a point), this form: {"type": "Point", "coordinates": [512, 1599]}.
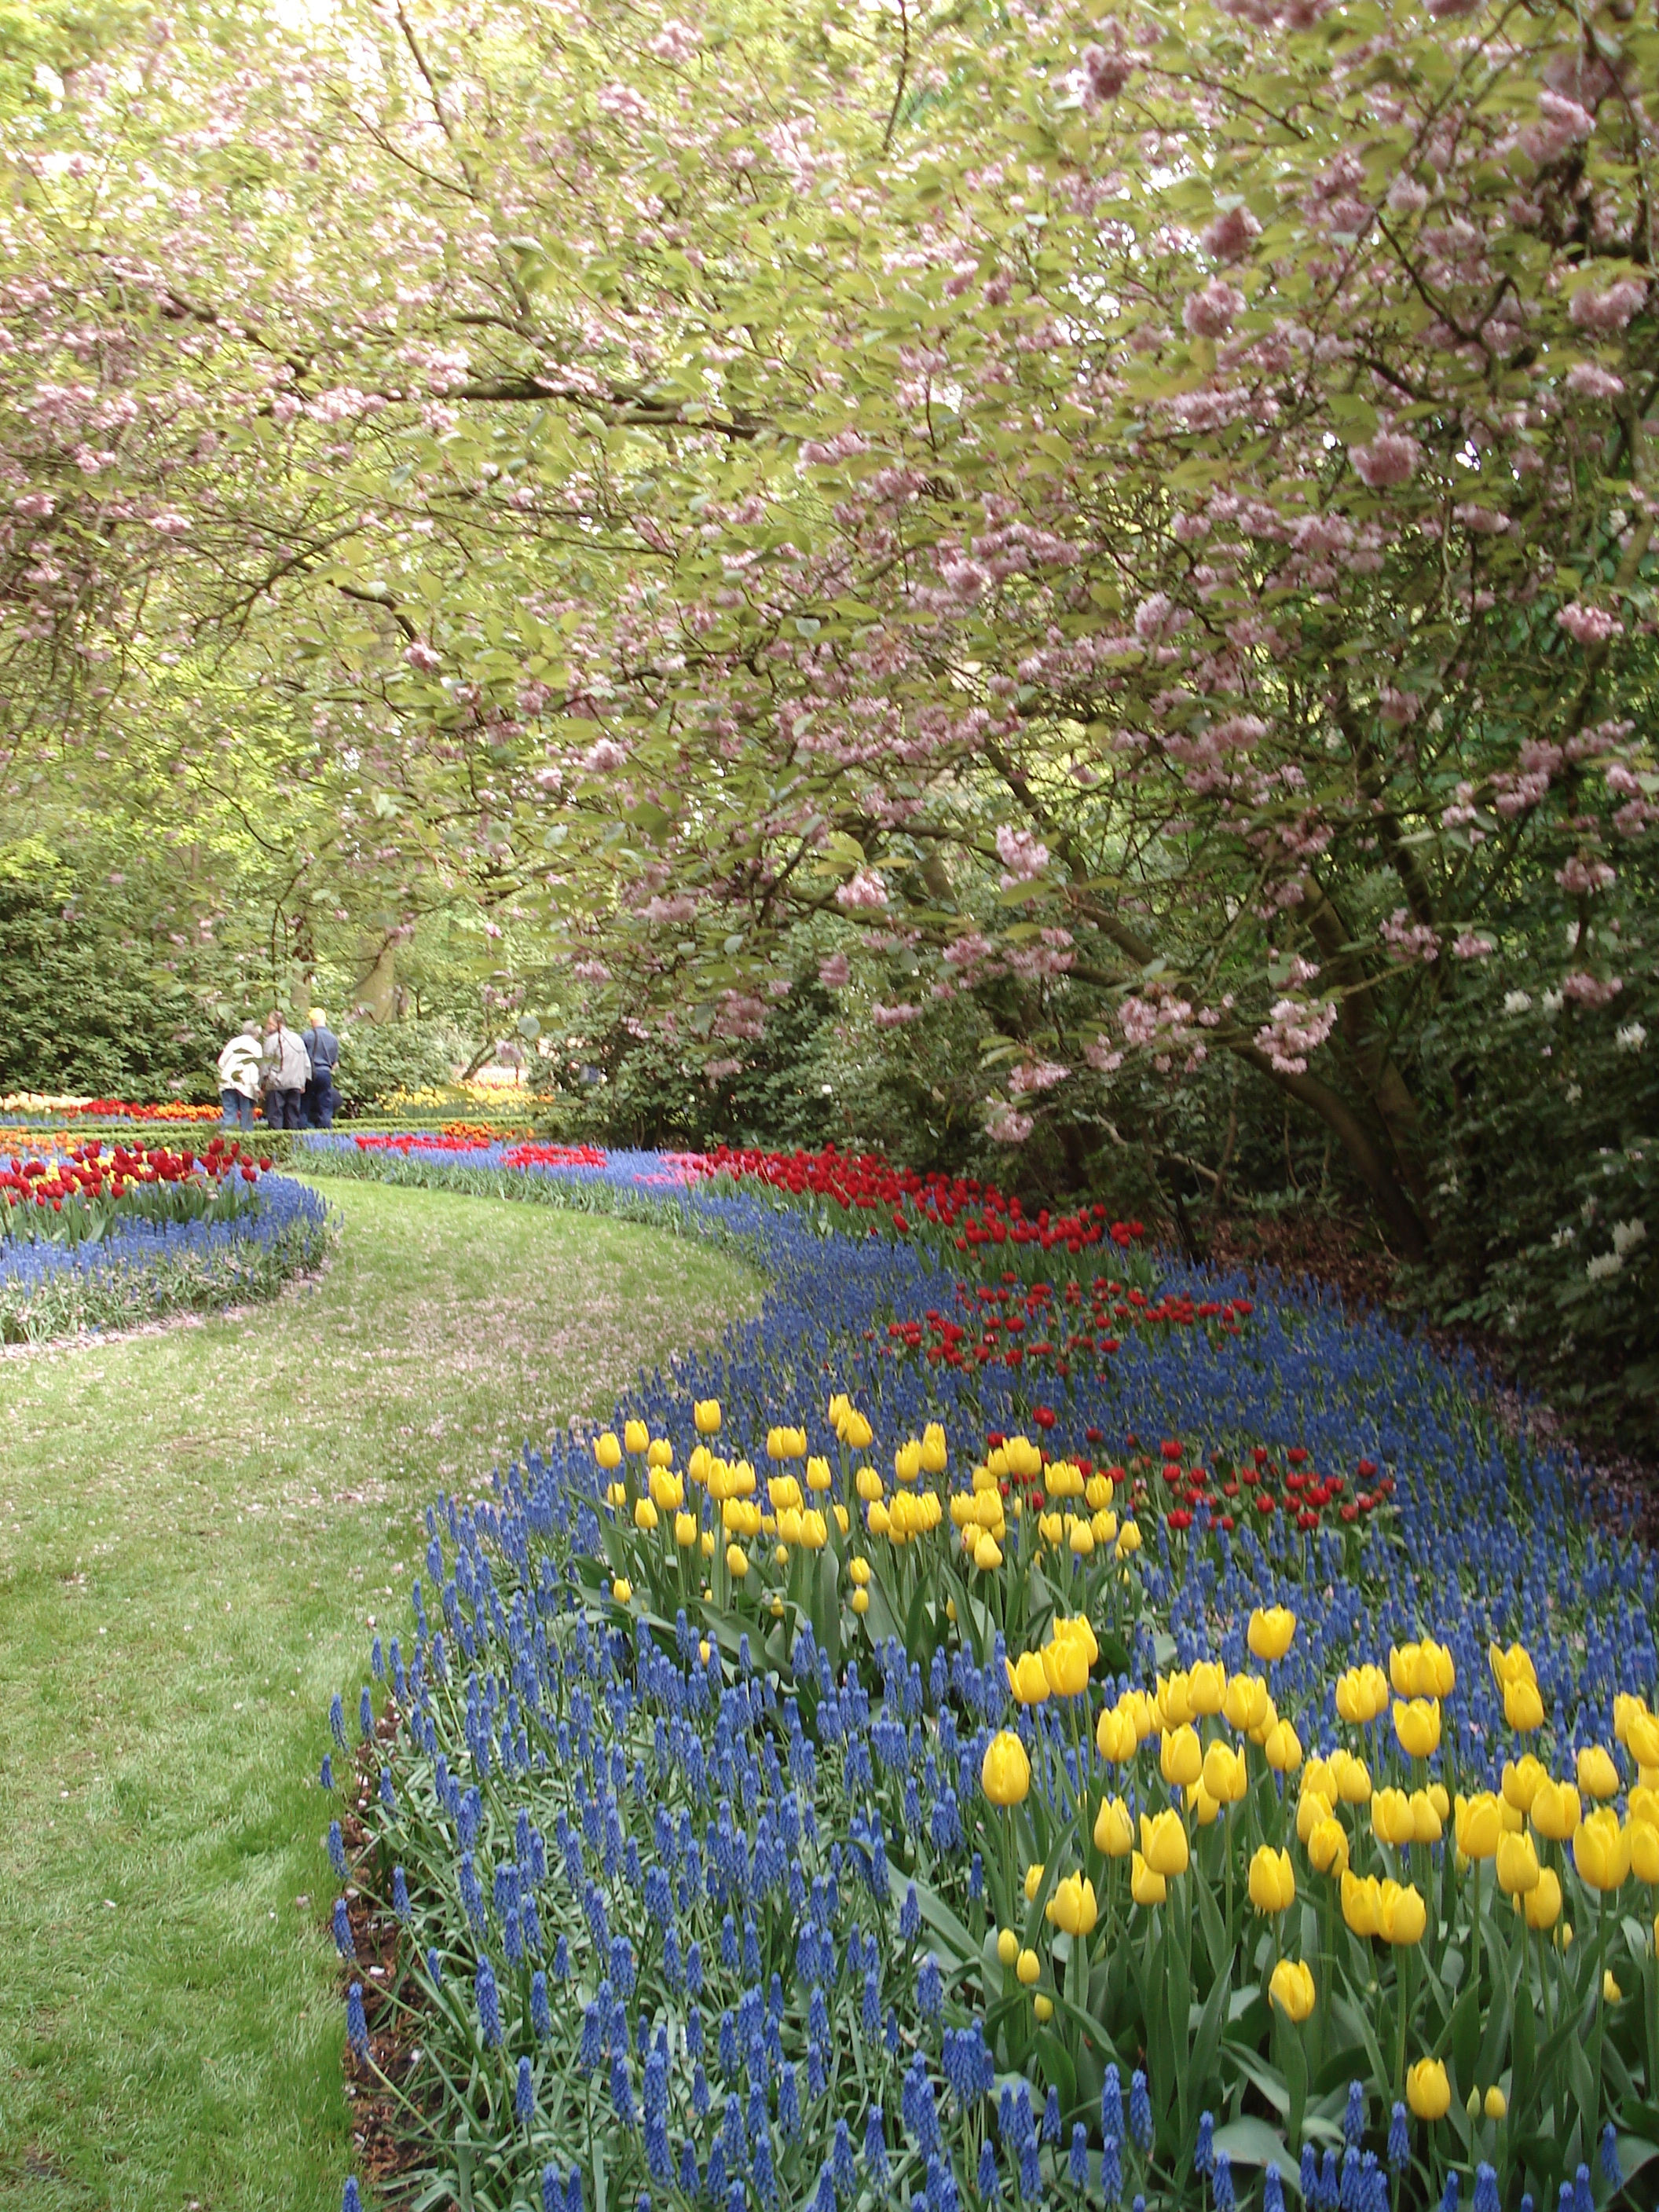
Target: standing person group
{"type": "Point", "coordinates": [292, 1069]}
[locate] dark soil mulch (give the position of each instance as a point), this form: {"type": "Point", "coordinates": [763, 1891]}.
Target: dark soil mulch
{"type": "Point", "coordinates": [383, 2152]}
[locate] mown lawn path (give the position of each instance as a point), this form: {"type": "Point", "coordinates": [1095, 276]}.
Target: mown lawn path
{"type": "Point", "coordinates": [197, 1528]}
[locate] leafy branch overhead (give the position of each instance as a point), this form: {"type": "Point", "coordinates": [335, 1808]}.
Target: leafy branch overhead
{"type": "Point", "coordinates": [1157, 508]}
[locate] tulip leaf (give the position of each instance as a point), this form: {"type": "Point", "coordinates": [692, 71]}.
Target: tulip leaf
{"type": "Point", "coordinates": [1249, 2141]}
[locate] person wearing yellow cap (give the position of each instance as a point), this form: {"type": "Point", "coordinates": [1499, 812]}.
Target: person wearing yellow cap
{"type": "Point", "coordinates": [323, 1050]}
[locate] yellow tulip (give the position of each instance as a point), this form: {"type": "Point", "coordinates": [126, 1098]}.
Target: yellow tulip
{"type": "Point", "coordinates": [1027, 1679]}
{"type": "Point", "coordinates": [1072, 1909]}
{"type": "Point", "coordinates": [1175, 1702]}
{"type": "Point", "coordinates": [1597, 1775]}
{"type": "Point", "coordinates": [1523, 1708]}
{"type": "Point", "coordinates": [1428, 2092]}
{"type": "Point", "coordinates": [1128, 1540]}
{"type": "Point", "coordinates": [1521, 1779]}
{"type": "Point", "coordinates": [1428, 1825]}
{"type": "Point", "coordinates": [1283, 1747]}
{"type": "Point", "coordinates": [1362, 1903]}
{"type": "Point", "coordinates": [1542, 1903]}
{"type": "Point", "coordinates": [1392, 1819]}
{"type": "Point", "coordinates": [856, 1433]}
{"type": "Point", "coordinates": [1004, 1773]}
{"type": "Point", "coordinates": [1043, 2008]}
{"type": "Point", "coordinates": [737, 1562]}
{"type": "Point", "coordinates": [685, 1530]}
{"type": "Point", "coordinates": [1555, 1810]}
{"type": "Point", "coordinates": [1081, 1539]}
{"type": "Point", "coordinates": [1401, 1914]}
{"type": "Point", "coordinates": [1293, 1989]}
{"type": "Point", "coordinates": [987, 1553]}
{"type": "Point", "coordinates": [1269, 1634]}
{"type": "Point", "coordinates": [1422, 1670]}
{"type": "Point", "coordinates": [706, 1545]}
{"type": "Point", "coordinates": [1226, 1777]}
{"type": "Point", "coordinates": [1328, 1848]}
{"type": "Point", "coordinates": [1643, 1839]}
{"type": "Point", "coordinates": [1611, 1992]}
{"type": "Point", "coordinates": [1033, 1881]}
{"type": "Point", "coordinates": [1207, 1686]}
{"type": "Point", "coordinates": [1097, 1492]}
{"type": "Point", "coordinates": [615, 1495]}
{"type": "Point", "coordinates": [1511, 1818]}
{"type": "Point", "coordinates": [1353, 1701]}
{"type": "Point", "coordinates": [607, 1450]}
{"type": "Point", "coordinates": [1644, 1804]}
{"type": "Point", "coordinates": [660, 1452]}
{"type": "Point", "coordinates": [1146, 1886]}
{"type": "Point", "coordinates": [1007, 1947]}
{"type": "Point", "coordinates": [636, 1437]}
{"type": "Point", "coordinates": [1518, 1865]}
{"type": "Point", "coordinates": [906, 1461]}
{"type": "Point", "coordinates": [1641, 1738]}
{"type": "Point", "coordinates": [1028, 1967]}
{"type": "Point", "coordinates": [1246, 1702]}
{"type": "Point", "coordinates": [1114, 1735]}
{"type": "Point", "coordinates": [1272, 1880]}
{"type": "Point", "coordinates": [1495, 2104]}
{"type": "Point", "coordinates": [1601, 1849]}
{"type": "Point", "coordinates": [868, 1485]}
{"type": "Point", "coordinates": [1203, 1808]}
{"type": "Point", "coordinates": [1351, 1776]}
{"type": "Point", "coordinates": [932, 1450]}
{"type": "Point", "coordinates": [1514, 1665]}
{"type": "Point", "coordinates": [860, 1601]}
{"type": "Point", "coordinates": [1477, 1825]}
{"type": "Point", "coordinates": [645, 1513]}
{"type": "Point", "coordinates": [706, 1413]}
{"type": "Point", "coordinates": [1311, 1808]}
{"type": "Point", "coordinates": [621, 1589]}
{"type": "Point", "coordinates": [1418, 1726]}
{"type": "Point", "coordinates": [1180, 1757]}
{"type": "Point", "coordinates": [1114, 1832]}
{"type": "Point", "coordinates": [1164, 1843]}
{"type": "Point", "coordinates": [818, 1477]}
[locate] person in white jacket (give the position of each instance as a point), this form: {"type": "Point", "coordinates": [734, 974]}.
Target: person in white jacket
{"type": "Point", "coordinates": [286, 1071]}
{"type": "Point", "coordinates": [239, 1076]}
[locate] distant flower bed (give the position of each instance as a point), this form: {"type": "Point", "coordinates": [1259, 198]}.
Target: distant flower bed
{"type": "Point", "coordinates": [192, 1240]}
{"type": "Point", "coordinates": [39, 1105]}
{"type": "Point", "coordinates": [1201, 1761]}
{"type": "Point", "coordinates": [81, 1194]}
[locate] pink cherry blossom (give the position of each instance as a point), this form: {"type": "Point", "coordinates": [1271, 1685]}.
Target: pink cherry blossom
{"type": "Point", "coordinates": [1606, 313]}
{"type": "Point", "coordinates": [862, 892]}
{"type": "Point", "coordinates": [835, 971]}
{"type": "Point", "coordinates": [1211, 312]}
{"type": "Point", "coordinates": [1004, 1125]}
{"type": "Point", "coordinates": [1588, 625]}
{"type": "Point", "coordinates": [1390, 459]}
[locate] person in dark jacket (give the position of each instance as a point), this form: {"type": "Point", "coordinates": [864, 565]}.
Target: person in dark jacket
{"type": "Point", "coordinates": [323, 1049]}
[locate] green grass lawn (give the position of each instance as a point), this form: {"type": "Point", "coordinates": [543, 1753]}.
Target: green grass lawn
{"type": "Point", "coordinates": [197, 1528]}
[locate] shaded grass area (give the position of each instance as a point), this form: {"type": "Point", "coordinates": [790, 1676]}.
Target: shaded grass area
{"type": "Point", "coordinates": [196, 1529]}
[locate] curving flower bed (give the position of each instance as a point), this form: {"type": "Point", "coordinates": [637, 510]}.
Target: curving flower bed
{"type": "Point", "coordinates": [35, 1106]}
{"type": "Point", "coordinates": [97, 1241]}
{"type": "Point", "coordinates": [71, 1193]}
{"type": "Point", "coordinates": [865, 1777]}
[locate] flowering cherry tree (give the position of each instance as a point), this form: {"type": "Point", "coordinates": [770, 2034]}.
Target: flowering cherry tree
{"type": "Point", "coordinates": [1154, 511]}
